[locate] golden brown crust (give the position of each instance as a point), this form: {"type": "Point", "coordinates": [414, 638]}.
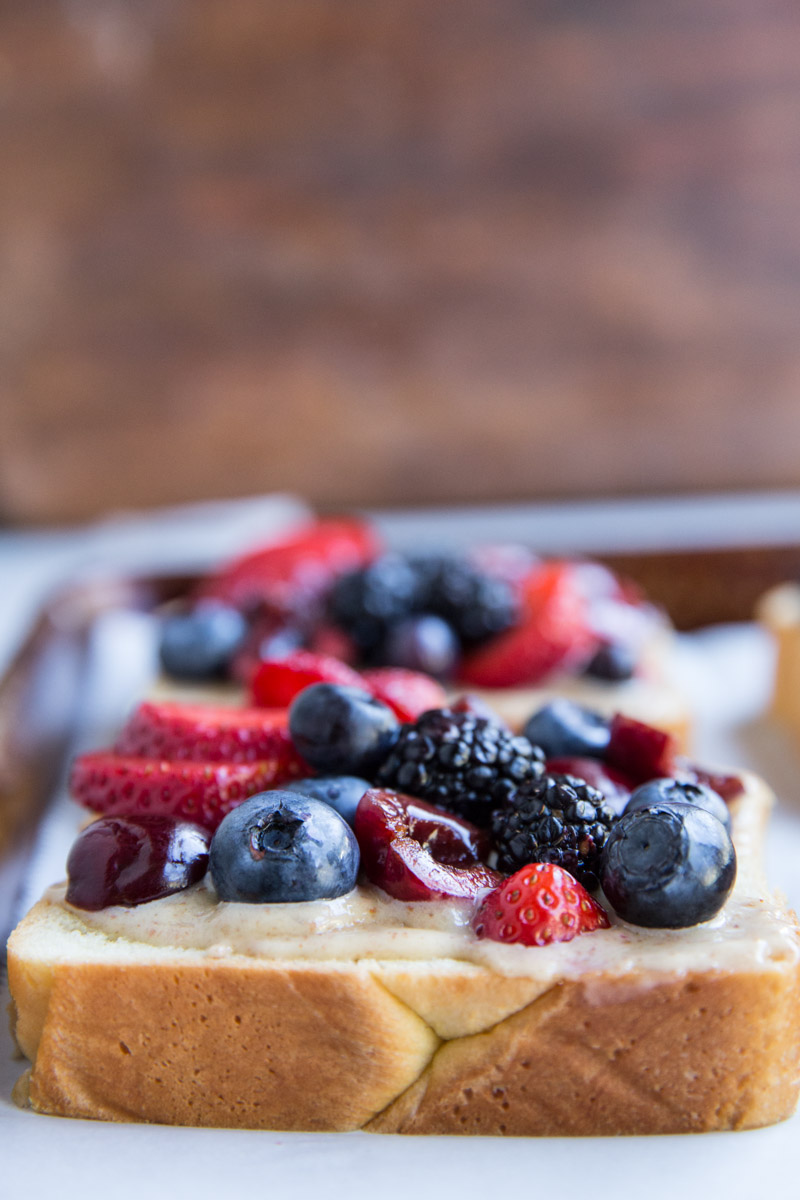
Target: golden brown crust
{"type": "Point", "coordinates": [708, 1051]}
{"type": "Point", "coordinates": [254, 1045]}
{"type": "Point", "coordinates": [257, 1047]}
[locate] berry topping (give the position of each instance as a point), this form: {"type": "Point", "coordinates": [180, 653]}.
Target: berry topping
{"type": "Point", "coordinates": [552, 634]}
{"type": "Point", "coordinates": [668, 866]}
{"type": "Point", "coordinates": [287, 575]}
{"type": "Point", "coordinates": [538, 905]}
{"type": "Point", "coordinates": [640, 751]}
{"type": "Point", "coordinates": [727, 786]}
{"type": "Point", "coordinates": [407, 693]}
{"type": "Point", "coordinates": [276, 682]}
{"type": "Point", "coordinates": [414, 851]}
{"type": "Point", "coordinates": [370, 604]}
{"type": "Point", "coordinates": [460, 762]}
{"type": "Point", "coordinates": [367, 603]}
{"type": "Point", "coordinates": [131, 860]}
{"type": "Point", "coordinates": [422, 643]}
{"type": "Point", "coordinates": [672, 791]}
{"type": "Point", "coordinates": [281, 847]}
{"type": "Point", "coordinates": [200, 644]}
{"type": "Point", "coordinates": [197, 791]}
{"type": "Point", "coordinates": [555, 819]}
{"type": "Point", "coordinates": [563, 728]}
{"type": "Point", "coordinates": [477, 605]}
{"type": "Point", "coordinates": [614, 662]}
{"type": "Point", "coordinates": [341, 729]}
{"type": "Point", "coordinates": [616, 789]}
{"type": "Point", "coordinates": [342, 792]}
{"type": "Point", "coordinates": [476, 706]}
{"type": "Point", "coordinates": [204, 733]}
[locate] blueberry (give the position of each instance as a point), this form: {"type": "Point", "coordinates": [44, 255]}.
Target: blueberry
{"type": "Point", "coordinates": [422, 643]}
{"type": "Point", "coordinates": [614, 662]}
{"type": "Point", "coordinates": [341, 729]}
{"type": "Point", "coordinates": [565, 729]}
{"type": "Point", "coordinates": [342, 792]}
{"type": "Point", "coordinates": [199, 645]}
{"type": "Point", "coordinates": [672, 791]}
{"type": "Point", "coordinates": [668, 866]}
{"type": "Point", "coordinates": [280, 847]}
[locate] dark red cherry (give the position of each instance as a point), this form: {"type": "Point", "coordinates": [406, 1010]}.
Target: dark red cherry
{"type": "Point", "coordinates": [414, 851]}
{"type": "Point", "coordinates": [130, 860]}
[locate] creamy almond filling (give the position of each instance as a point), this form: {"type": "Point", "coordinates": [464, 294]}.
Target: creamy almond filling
{"type": "Point", "coordinates": [753, 930]}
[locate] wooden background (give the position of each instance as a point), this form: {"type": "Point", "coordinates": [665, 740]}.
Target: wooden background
{"type": "Point", "coordinates": [395, 252]}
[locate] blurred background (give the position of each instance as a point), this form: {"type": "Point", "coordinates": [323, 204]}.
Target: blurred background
{"type": "Point", "coordinates": [395, 253]}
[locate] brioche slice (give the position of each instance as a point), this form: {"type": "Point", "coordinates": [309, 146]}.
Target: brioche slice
{"type": "Point", "coordinates": [368, 1013]}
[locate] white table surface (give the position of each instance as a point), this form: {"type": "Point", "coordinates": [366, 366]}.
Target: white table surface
{"type": "Point", "coordinates": [727, 672]}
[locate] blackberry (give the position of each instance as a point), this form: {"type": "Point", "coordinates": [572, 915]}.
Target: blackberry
{"type": "Point", "coordinates": [555, 819]}
{"type": "Point", "coordinates": [370, 603]}
{"type": "Point", "coordinates": [477, 605]}
{"type": "Point", "coordinates": [461, 762]}
{"type": "Point", "coordinates": [367, 603]}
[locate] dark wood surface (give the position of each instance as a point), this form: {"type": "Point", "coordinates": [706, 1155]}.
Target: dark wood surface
{"type": "Point", "coordinates": [395, 252]}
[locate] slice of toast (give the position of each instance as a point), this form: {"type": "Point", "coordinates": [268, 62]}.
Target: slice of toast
{"type": "Point", "coordinates": [388, 1026]}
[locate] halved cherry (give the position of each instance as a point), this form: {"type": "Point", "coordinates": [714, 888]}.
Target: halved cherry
{"type": "Point", "coordinates": [414, 851]}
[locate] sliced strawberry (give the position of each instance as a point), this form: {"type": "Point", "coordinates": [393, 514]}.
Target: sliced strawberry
{"type": "Point", "coordinates": [613, 784]}
{"type": "Point", "coordinates": [539, 904]}
{"type": "Point", "coordinates": [276, 682]}
{"type": "Point", "coordinates": [553, 634]}
{"type": "Point", "coordinates": [204, 733]}
{"type": "Point", "coordinates": [204, 792]}
{"type": "Point", "coordinates": [407, 693]}
{"type": "Point", "coordinates": [640, 751]}
{"type": "Point", "coordinates": [299, 567]}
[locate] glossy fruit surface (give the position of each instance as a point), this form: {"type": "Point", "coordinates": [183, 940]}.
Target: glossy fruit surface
{"type": "Point", "coordinates": [281, 847]}
{"type": "Point", "coordinates": [342, 792]}
{"type": "Point", "coordinates": [539, 904]}
{"type": "Point", "coordinates": [414, 851]}
{"type": "Point", "coordinates": [132, 860]}
{"type": "Point", "coordinates": [204, 792]}
{"type": "Point", "coordinates": [640, 751]}
{"type": "Point", "coordinates": [668, 866]}
{"type": "Point", "coordinates": [207, 733]}
{"type": "Point", "coordinates": [201, 644]}
{"type": "Point", "coordinates": [671, 791]}
{"type": "Point", "coordinates": [341, 730]}
{"type": "Point", "coordinates": [466, 764]}
{"type": "Point", "coordinates": [552, 634]}
{"type": "Point", "coordinates": [563, 728]}
{"type": "Point", "coordinates": [407, 693]}
{"type": "Point", "coordinates": [555, 819]}
{"type": "Point", "coordinates": [423, 642]}
{"type": "Point", "coordinates": [276, 682]}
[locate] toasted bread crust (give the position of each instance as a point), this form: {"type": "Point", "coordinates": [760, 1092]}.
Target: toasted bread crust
{"type": "Point", "coordinates": [263, 1046]}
